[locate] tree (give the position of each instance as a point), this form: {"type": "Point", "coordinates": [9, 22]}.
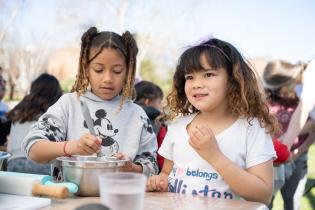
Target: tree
{"type": "Point", "coordinates": [23, 53]}
{"type": "Point", "coordinates": [25, 49]}
{"type": "Point", "coordinates": [160, 77]}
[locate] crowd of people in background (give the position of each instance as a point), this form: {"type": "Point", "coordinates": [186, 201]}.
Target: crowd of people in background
{"type": "Point", "coordinates": [280, 80]}
{"type": "Point", "coordinates": [215, 98]}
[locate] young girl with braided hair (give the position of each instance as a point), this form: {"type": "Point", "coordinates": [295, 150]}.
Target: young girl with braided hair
{"type": "Point", "coordinates": [219, 145]}
{"type": "Point", "coordinates": [105, 82]}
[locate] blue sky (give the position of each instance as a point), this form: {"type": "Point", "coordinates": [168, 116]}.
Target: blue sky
{"type": "Point", "coordinates": [281, 29]}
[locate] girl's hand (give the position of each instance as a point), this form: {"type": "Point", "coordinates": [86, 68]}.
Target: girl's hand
{"type": "Point", "coordinates": [204, 142]}
{"type": "Point", "coordinates": [86, 145]}
{"type": "Point", "coordinates": [158, 183]}
{"type": "Point", "coordinates": [130, 166]}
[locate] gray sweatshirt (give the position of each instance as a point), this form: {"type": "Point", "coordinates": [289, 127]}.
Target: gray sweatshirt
{"type": "Point", "coordinates": [127, 130]}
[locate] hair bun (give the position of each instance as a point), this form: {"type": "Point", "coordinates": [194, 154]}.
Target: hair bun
{"type": "Point", "coordinates": [130, 42]}
{"type": "Point", "coordinates": [89, 34]}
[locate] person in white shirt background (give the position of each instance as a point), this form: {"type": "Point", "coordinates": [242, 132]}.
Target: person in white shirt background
{"type": "Point", "coordinates": [306, 106]}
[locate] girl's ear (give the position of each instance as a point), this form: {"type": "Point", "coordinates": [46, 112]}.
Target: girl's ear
{"type": "Point", "coordinates": [147, 102]}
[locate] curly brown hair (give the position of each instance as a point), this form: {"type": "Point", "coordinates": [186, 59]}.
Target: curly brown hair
{"type": "Point", "coordinates": [45, 91]}
{"type": "Point", "coordinates": [125, 43]}
{"type": "Point", "coordinates": [244, 95]}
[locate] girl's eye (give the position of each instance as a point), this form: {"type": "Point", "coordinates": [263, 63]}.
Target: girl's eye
{"type": "Point", "coordinates": [98, 70]}
{"type": "Point", "coordinates": [117, 71]}
{"type": "Point", "coordinates": [208, 74]}
{"type": "Point", "coordinates": [188, 77]}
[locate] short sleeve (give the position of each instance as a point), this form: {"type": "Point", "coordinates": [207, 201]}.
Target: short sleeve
{"type": "Point", "coordinates": [259, 147]}
{"type": "Point", "coordinates": [166, 149]}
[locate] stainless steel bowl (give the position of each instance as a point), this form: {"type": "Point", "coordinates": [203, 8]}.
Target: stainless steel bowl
{"type": "Point", "coordinates": [85, 170]}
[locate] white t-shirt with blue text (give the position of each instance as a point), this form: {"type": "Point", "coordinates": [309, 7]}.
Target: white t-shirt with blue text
{"type": "Point", "coordinates": [246, 145]}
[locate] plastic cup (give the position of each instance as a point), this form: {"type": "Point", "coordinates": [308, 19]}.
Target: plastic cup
{"type": "Point", "coordinates": [122, 190]}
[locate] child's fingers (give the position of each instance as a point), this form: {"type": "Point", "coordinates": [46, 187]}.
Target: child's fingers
{"type": "Point", "coordinates": [119, 155]}
{"type": "Point", "coordinates": [151, 184]}
{"type": "Point", "coordinates": [148, 186]}
{"type": "Point", "coordinates": [156, 183]}
{"type": "Point", "coordinates": [87, 150]}
{"type": "Point", "coordinates": [194, 138]}
{"type": "Point", "coordinates": [201, 133]}
{"type": "Point", "coordinates": [90, 146]}
{"type": "Point", "coordinates": [201, 130]}
{"type": "Point", "coordinates": [93, 144]}
{"type": "Point", "coordinates": [96, 139]}
{"type": "Point", "coordinates": [192, 142]}
{"type": "Point", "coordinates": [162, 186]}
{"type": "Point", "coordinates": [196, 134]}
{"type": "Point", "coordinates": [122, 156]}
{"type": "Point", "coordinates": [84, 149]}
{"type": "Point", "coordinates": [206, 131]}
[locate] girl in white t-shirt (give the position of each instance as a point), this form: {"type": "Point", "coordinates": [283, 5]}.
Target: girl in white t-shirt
{"type": "Point", "coordinates": [219, 146]}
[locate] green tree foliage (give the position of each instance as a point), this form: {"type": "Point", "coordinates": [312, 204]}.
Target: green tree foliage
{"type": "Point", "coordinates": [67, 84]}
{"type": "Point", "coordinates": [163, 78]}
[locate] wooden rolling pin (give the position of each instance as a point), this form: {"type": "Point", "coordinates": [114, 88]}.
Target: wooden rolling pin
{"type": "Point", "coordinates": [30, 186]}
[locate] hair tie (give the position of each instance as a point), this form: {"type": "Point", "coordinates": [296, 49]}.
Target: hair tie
{"type": "Point", "coordinates": [203, 43]}
{"type": "Point", "coordinates": [213, 46]}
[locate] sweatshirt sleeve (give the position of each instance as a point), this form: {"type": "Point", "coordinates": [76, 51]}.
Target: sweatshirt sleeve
{"type": "Point", "coordinates": [50, 126]}
{"type": "Point", "coordinates": [146, 155]}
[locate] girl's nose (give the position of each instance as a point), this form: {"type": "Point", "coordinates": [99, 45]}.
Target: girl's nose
{"type": "Point", "coordinates": [198, 85]}
{"type": "Point", "coordinates": [107, 77]}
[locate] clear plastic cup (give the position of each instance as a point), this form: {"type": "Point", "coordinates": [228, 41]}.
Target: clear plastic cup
{"type": "Point", "coordinates": [122, 190]}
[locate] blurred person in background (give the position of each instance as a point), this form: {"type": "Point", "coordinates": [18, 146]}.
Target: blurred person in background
{"type": "Point", "coordinates": [4, 122]}
{"type": "Point", "coordinates": [149, 96]}
{"type": "Point", "coordinates": [306, 106]}
{"type": "Point", "coordinates": [3, 107]}
{"type": "Point", "coordinates": [280, 79]}
{"type": "Point", "coordinates": [44, 92]}
{"type": "Point", "coordinates": [305, 110]}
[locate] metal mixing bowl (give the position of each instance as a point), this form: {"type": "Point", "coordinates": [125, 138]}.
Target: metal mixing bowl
{"type": "Point", "coordinates": [85, 170]}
